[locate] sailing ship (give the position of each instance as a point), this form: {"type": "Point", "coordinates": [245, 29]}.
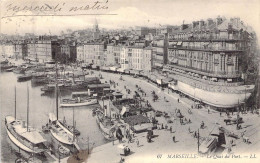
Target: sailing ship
{"type": "Point", "coordinates": [59, 130]}
{"type": "Point", "coordinates": [24, 136]}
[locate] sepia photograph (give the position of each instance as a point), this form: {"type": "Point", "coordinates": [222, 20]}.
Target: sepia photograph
{"type": "Point", "coordinates": [129, 81]}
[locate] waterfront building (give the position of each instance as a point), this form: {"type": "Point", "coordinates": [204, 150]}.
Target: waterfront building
{"type": "Point", "coordinates": [207, 59]}
{"type": "Point", "coordinates": [8, 50]}
{"type": "Point", "coordinates": [18, 49]}
{"type": "Point", "coordinates": [136, 58]}
{"type": "Point", "coordinates": [147, 59]}
{"type": "Point", "coordinates": [39, 49]}
{"type": "Point", "coordinates": [94, 53]}
{"type": "Point", "coordinates": [125, 58]}
{"type": "Point", "coordinates": [65, 52]}
{"type": "Point", "coordinates": [160, 52]}
{"type": "Point", "coordinates": [73, 52]}
{"type": "Point", "coordinates": [112, 54]}
{"type": "Point", "coordinates": [80, 52]}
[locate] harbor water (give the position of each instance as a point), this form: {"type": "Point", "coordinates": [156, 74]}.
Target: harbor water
{"type": "Point", "coordinates": [39, 107]}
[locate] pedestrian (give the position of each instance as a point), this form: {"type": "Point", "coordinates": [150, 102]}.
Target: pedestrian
{"type": "Point", "coordinates": [189, 129]}
{"type": "Point", "coordinates": [171, 129]}
{"type": "Point", "coordinates": [173, 139]}
{"type": "Point", "coordinates": [162, 126]}
{"type": "Point", "coordinates": [195, 134]}
{"type": "Point", "coordinates": [129, 138]}
{"type": "Point", "coordinates": [208, 111]}
{"type": "Point", "coordinates": [220, 114]}
{"type": "Point", "coordinates": [178, 100]}
{"type": "Point", "coordinates": [189, 121]}
{"type": "Point", "coordinates": [127, 133]}
{"type": "Point", "coordinates": [137, 142]}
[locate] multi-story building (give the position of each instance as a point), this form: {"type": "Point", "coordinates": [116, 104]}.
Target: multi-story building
{"type": "Point", "coordinates": [142, 31]}
{"type": "Point", "coordinates": [80, 52]}
{"type": "Point", "coordinates": [136, 58]}
{"type": "Point", "coordinates": [73, 52]}
{"type": "Point", "coordinates": [39, 49]}
{"type": "Point", "coordinates": [160, 54]}
{"type": "Point", "coordinates": [9, 50]}
{"type": "Point", "coordinates": [18, 49]}
{"type": "Point", "coordinates": [125, 58]}
{"type": "Point", "coordinates": [113, 54]}
{"type": "Point", "coordinates": [94, 53]}
{"type": "Point", "coordinates": [207, 60]}
{"type": "Point", "coordinates": [147, 59]}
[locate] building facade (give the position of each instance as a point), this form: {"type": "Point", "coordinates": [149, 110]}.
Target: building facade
{"type": "Point", "coordinates": [136, 58]}
{"type": "Point", "coordinates": [209, 49]}
{"type": "Point", "coordinates": [39, 49]}
{"type": "Point", "coordinates": [94, 53]}
{"type": "Point", "coordinates": [80, 52]}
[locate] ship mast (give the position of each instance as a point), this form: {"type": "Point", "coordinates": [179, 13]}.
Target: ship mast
{"type": "Point", "coordinates": [15, 102]}
{"type": "Point", "coordinates": [27, 107]}
{"type": "Point", "coordinates": [56, 90]}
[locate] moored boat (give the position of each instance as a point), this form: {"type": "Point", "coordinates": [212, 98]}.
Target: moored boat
{"type": "Point", "coordinates": [78, 102]}
{"type": "Point", "coordinates": [28, 140]}
{"type": "Point", "coordinates": [23, 136]}
{"type": "Point", "coordinates": [59, 131]}
{"type": "Point", "coordinates": [24, 78]}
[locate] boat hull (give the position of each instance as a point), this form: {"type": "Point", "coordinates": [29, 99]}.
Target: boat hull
{"type": "Point", "coordinates": [92, 102]}
{"type": "Point", "coordinates": [17, 142]}
{"type": "Point", "coordinates": [59, 138]}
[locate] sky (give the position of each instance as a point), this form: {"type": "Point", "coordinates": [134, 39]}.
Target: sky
{"type": "Point", "coordinates": [124, 14]}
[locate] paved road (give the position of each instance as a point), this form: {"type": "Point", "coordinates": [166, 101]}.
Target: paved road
{"type": "Point", "coordinates": [186, 141]}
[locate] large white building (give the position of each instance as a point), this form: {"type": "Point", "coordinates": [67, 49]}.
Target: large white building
{"type": "Point", "coordinates": [136, 58]}
{"type": "Point", "coordinates": [39, 49]}
{"type": "Point", "coordinates": [8, 50]}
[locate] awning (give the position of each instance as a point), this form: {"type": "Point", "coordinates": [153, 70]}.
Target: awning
{"type": "Point", "coordinates": [204, 77]}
